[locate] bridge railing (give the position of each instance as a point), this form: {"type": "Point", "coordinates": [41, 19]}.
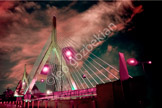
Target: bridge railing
{"type": "Point", "coordinates": [69, 94]}
{"type": "Point", "coordinates": [71, 103]}
{"type": "Point", "coordinates": [56, 99]}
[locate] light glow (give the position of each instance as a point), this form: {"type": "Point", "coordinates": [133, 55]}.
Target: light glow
{"type": "Point", "coordinates": [45, 69]}
{"type": "Point", "coordinates": [70, 57]}
{"type": "Point", "coordinates": [49, 92]}
{"type": "Point", "coordinates": [149, 62]}
{"type": "Point", "coordinates": [42, 80]}
{"type": "Point", "coordinates": [132, 61]}
{"type": "Point", "coordinates": [74, 86]}
{"type": "Point", "coordinates": [68, 53]}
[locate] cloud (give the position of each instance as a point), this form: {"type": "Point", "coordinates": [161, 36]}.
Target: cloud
{"type": "Point", "coordinates": [25, 27]}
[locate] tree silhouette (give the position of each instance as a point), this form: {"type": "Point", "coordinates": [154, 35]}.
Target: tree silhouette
{"type": "Point", "coordinates": [8, 95]}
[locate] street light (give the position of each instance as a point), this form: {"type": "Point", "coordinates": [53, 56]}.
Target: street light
{"type": "Point", "coordinates": [149, 62]}
{"type": "Point", "coordinates": [134, 62]}
{"type": "Point", "coordinates": [48, 92]}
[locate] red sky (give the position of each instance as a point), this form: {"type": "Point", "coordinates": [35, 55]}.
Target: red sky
{"type": "Point", "coordinates": [26, 26]}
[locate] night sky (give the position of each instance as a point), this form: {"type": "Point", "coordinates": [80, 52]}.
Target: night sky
{"type": "Point", "coordinates": [26, 26]}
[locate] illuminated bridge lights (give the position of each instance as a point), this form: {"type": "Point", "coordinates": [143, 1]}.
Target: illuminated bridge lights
{"type": "Point", "coordinates": [45, 70]}
{"type": "Point", "coordinates": [68, 54]}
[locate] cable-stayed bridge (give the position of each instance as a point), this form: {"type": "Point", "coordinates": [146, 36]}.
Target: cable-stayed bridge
{"type": "Point", "coordinates": [74, 80]}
